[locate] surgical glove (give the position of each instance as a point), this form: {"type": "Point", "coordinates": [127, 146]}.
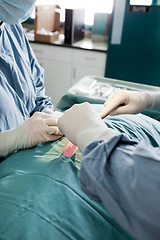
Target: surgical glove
{"type": "Point", "coordinates": [81, 124]}
{"type": "Point", "coordinates": [155, 101]}
{"type": "Point", "coordinates": [56, 114]}
{"type": "Point", "coordinates": [126, 101]}
{"type": "Point", "coordinates": [39, 128]}
{"type": "Point", "coordinates": [47, 110]}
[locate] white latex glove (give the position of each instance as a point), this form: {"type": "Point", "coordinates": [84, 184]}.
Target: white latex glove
{"type": "Point", "coordinates": [81, 124]}
{"type": "Point", "coordinates": [41, 127]}
{"type": "Point", "coordinates": [126, 101]}
{"type": "Point", "coordinates": [47, 110]}
{"type": "Point", "coordinates": [56, 114]}
{"type": "Point", "coordinates": [155, 101]}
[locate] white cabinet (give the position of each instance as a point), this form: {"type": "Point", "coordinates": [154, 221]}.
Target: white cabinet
{"type": "Point", "coordinates": [56, 62]}
{"type": "Point", "coordinates": [64, 66]}
{"type": "Point", "coordinates": [57, 78]}
{"type": "Point", "coordinates": [87, 63]}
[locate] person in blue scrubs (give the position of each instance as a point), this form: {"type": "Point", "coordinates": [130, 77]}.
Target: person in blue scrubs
{"type": "Point", "coordinates": [121, 173]}
{"type": "Point", "coordinates": [26, 113]}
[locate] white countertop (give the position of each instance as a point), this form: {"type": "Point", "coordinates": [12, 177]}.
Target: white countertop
{"type": "Point", "coordinates": [86, 43]}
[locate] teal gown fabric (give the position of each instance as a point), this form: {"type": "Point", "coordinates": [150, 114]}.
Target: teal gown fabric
{"type": "Point", "coordinates": [40, 194]}
{"type": "Point", "coordinates": [41, 198]}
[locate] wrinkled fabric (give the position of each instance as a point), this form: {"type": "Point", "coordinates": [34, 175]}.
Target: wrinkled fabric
{"type": "Point", "coordinates": [136, 126]}
{"type": "Point", "coordinates": [41, 198]}
{"type": "Point", "coordinates": [14, 11]}
{"type": "Point", "coordinates": [21, 79]}
{"type": "Point", "coordinates": [123, 173]}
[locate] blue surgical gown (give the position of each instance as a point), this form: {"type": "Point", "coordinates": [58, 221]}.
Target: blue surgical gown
{"type": "Point", "coordinates": [124, 175]}
{"type": "Point", "coordinates": [21, 79]}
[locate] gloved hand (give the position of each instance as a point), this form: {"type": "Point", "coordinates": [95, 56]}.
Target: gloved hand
{"type": "Point", "coordinates": [47, 110]}
{"type": "Point", "coordinates": [56, 114]}
{"type": "Point", "coordinates": [41, 127]}
{"type": "Point", "coordinates": [81, 124]}
{"type": "Point", "coordinates": [126, 101]}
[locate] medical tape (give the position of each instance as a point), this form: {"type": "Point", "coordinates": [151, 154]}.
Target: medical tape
{"type": "Point", "coordinates": [69, 150]}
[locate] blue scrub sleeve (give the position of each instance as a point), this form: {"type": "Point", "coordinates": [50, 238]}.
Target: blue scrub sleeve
{"type": "Point", "coordinates": [124, 175]}
{"type": "Point", "coordinates": [37, 72]}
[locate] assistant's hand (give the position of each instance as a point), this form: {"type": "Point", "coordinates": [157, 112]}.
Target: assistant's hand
{"type": "Point", "coordinates": [126, 101]}
{"type": "Point", "coordinates": [56, 114]}
{"type": "Point", "coordinates": [41, 127]}
{"type": "Point", "coordinates": [81, 124]}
